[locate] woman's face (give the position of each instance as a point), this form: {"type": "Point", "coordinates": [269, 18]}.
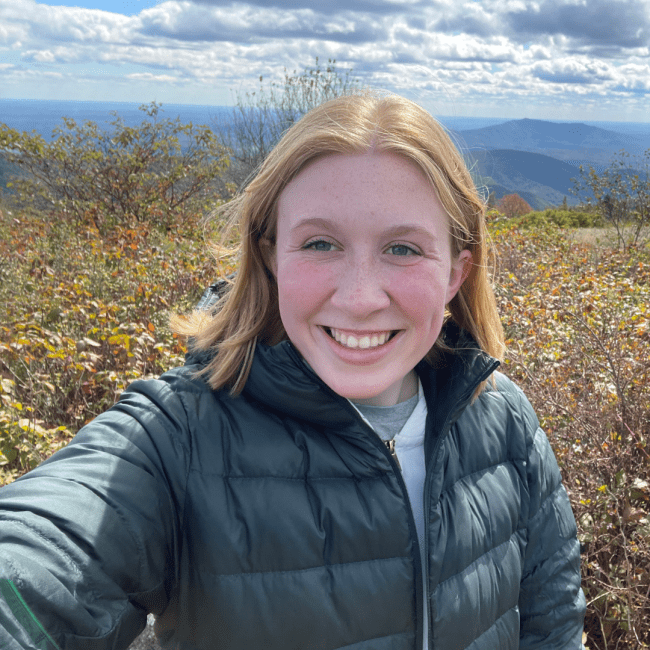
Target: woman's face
{"type": "Point", "coordinates": [364, 270]}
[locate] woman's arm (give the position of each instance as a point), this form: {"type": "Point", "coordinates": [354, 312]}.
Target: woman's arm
{"type": "Point", "coordinates": [88, 539]}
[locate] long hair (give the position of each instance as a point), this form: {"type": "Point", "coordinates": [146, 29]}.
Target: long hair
{"type": "Point", "coordinates": [354, 124]}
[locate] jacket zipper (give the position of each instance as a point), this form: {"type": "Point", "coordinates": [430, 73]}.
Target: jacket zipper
{"type": "Point", "coordinates": [429, 470]}
{"type": "Point", "coordinates": [390, 445]}
{"type": "Point", "coordinates": [388, 448]}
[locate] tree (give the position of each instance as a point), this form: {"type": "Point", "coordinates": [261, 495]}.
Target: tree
{"type": "Point", "coordinates": [512, 205]}
{"type": "Point", "coordinates": [156, 171]}
{"type": "Point", "coordinates": [260, 117]}
{"type": "Point", "coordinates": [620, 193]}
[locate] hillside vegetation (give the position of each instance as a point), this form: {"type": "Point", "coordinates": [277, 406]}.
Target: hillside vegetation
{"type": "Point", "coordinates": [541, 180]}
{"type": "Point", "coordinates": [544, 161]}
{"type": "Point", "coordinates": [85, 314]}
{"type": "Point", "coordinates": [87, 285]}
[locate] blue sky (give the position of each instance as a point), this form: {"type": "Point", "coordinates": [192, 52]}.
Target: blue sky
{"type": "Point", "coordinates": [125, 7]}
{"type": "Point", "coordinates": [548, 59]}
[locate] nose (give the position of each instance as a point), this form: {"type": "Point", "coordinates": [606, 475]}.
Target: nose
{"type": "Point", "coordinates": [360, 288]}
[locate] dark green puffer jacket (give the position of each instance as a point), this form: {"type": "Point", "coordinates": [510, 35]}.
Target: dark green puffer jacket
{"type": "Point", "coordinates": [277, 520]}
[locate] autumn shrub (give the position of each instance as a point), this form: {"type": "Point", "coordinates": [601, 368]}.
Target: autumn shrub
{"type": "Point", "coordinates": [576, 318]}
{"type": "Point", "coordinates": [512, 205]}
{"type": "Point", "coordinates": [559, 218]}
{"type": "Point", "coordinates": [82, 316]}
{"type": "Point", "coordinates": [158, 172]}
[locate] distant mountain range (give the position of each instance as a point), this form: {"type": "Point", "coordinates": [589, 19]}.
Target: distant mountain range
{"type": "Point", "coordinates": [538, 159]}
{"type": "Point", "coordinates": [541, 180]}
{"type": "Point", "coordinates": [534, 158]}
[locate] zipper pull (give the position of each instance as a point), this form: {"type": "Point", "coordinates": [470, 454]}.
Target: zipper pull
{"type": "Point", "coordinates": [390, 445]}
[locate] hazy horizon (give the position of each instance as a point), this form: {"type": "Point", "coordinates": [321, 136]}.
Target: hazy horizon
{"type": "Point", "coordinates": [48, 114]}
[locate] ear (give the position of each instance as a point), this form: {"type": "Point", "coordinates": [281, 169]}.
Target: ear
{"type": "Point", "coordinates": [460, 269]}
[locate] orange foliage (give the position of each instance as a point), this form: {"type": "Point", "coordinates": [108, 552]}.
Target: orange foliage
{"type": "Point", "coordinates": [512, 205]}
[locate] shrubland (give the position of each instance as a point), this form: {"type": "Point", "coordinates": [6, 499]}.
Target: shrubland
{"type": "Point", "coordinates": [84, 314]}
{"type": "Point", "coordinates": [159, 171]}
{"type": "Point", "coordinates": [87, 288]}
{"type": "Point", "coordinates": [577, 321]}
{"type": "Point", "coordinates": [564, 218]}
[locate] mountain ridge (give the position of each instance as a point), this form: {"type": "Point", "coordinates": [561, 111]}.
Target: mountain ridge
{"type": "Point", "coordinates": [539, 135]}
{"type": "Point", "coordinates": [538, 159]}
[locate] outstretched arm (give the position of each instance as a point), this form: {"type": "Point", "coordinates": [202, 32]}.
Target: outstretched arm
{"type": "Point", "coordinates": [88, 538]}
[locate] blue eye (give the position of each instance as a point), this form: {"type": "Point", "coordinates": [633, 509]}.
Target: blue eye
{"type": "Point", "coordinates": [402, 250]}
{"type": "Point", "coordinates": [321, 245]}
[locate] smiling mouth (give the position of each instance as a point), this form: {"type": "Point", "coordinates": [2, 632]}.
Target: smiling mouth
{"type": "Point", "coordinates": [363, 342]}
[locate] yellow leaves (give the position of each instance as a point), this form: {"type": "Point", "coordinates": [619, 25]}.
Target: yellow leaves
{"type": "Point", "coordinates": [576, 324]}
{"type": "Point", "coordinates": [123, 340]}
{"type": "Point", "coordinates": [7, 386]}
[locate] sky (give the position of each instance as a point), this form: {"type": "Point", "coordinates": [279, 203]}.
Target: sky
{"type": "Point", "coordinates": [583, 60]}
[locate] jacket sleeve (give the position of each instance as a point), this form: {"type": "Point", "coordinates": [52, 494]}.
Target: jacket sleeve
{"type": "Point", "coordinates": [551, 602]}
{"type": "Point", "coordinates": [88, 538]}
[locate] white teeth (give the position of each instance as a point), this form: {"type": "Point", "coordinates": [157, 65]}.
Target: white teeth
{"type": "Point", "coordinates": [363, 343]}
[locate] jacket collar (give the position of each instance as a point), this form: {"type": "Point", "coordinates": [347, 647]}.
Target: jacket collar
{"type": "Point", "coordinates": [281, 381]}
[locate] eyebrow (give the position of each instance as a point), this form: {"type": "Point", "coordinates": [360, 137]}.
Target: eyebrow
{"type": "Point", "coordinates": [394, 231]}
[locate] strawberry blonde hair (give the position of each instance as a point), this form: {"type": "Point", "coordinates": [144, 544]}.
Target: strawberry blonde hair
{"type": "Point", "coordinates": [248, 313]}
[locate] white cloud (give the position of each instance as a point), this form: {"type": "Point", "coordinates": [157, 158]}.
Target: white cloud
{"type": "Point", "coordinates": [44, 23]}
{"type": "Point", "coordinates": [147, 76]}
{"type": "Point", "coordinates": [548, 50]}
{"type": "Point", "coordinates": [572, 71]}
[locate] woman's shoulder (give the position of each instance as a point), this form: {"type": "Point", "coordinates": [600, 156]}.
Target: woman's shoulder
{"type": "Point", "coordinates": [503, 413]}
{"type": "Point", "coordinates": [506, 391]}
{"type": "Point", "coordinates": [186, 381]}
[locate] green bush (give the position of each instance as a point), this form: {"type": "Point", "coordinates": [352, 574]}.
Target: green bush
{"type": "Point", "coordinates": [559, 218]}
{"type": "Point", "coordinates": [156, 172]}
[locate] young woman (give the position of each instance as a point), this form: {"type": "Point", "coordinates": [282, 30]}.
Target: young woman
{"type": "Point", "coordinates": [339, 464]}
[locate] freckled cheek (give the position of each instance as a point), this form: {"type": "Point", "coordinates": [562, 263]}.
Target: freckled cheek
{"type": "Point", "coordinates": [303, 287]}
{"type": "Point", "coordinates": [422, 298]}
